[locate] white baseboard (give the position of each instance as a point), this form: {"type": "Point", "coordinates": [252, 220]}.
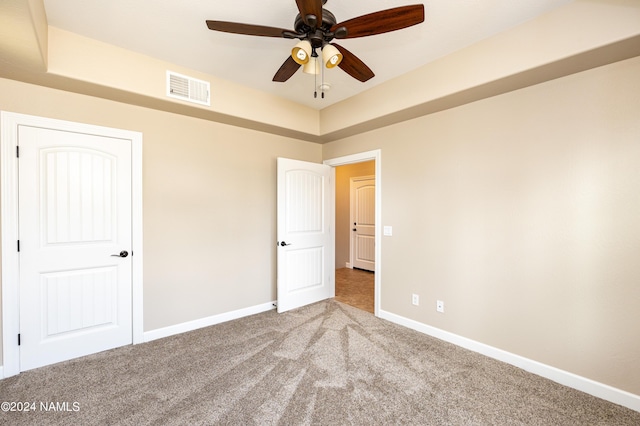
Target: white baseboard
{"type": "Point", "coordinates": [206, 322]}
{"type": "Point", "coordinates": [600, 390]}
{"type": "Point", "coordinates": [348, 265]}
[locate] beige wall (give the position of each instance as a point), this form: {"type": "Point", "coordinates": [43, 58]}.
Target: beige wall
{"type": "Point", "coordinates": [343, 206]}
{"type": "Point", "coordinates": [209, 202]}
{"type": "Point", "coordinates": [521, 213]}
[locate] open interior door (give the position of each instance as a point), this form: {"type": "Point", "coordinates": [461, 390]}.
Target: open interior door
{"type": "Point", "coordinates": [305, 238]}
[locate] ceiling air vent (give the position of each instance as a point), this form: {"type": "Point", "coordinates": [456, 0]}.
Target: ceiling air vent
{"type": "Point", "coordinates": [188, 89]}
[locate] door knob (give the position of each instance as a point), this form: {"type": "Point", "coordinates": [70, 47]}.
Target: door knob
{"type": "Point", "coordinates": [282, 243]}
{"type": "Point", "coordinates": [123, 253]}
{"type": "Point", "coordinates": [354, 229]}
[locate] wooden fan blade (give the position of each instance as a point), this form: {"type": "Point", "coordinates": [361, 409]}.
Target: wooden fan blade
{"type": "Point", "coordinates": [248, 29]}
{"type": "Point", "coordinates": [383, 21]}
{"type": "Point", "coordinates": [287, 69]}
{"type": "Point", "coordinates": [311, 11]}
{"type": "Point", "coordinates": [353, 66]}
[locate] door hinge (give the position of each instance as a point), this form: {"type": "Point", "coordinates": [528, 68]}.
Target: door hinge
{"type": "Point", "coordinates": [17, 151]}
{"type": "Point", "coordinates": [18, 245]}
{"type": "Point", "coordinates": [18, 339]}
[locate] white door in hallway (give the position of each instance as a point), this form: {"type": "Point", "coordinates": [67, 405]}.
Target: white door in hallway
{"type": "Point", "coordinates": [75, 230]}
{"type": "Point", "coordinates": [363, 219]}
{"type": "Point", "coordinates": [304, 236]}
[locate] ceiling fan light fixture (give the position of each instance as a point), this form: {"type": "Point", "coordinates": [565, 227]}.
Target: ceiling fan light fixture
{"type": "Point", "coordinates": [331, 56]}
{"type": "Point", "coordinates": [316, 27]}
{"type": "Point", "coordinates": [301, 52]}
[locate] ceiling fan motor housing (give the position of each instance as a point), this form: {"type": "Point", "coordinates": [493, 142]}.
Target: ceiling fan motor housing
{"type": "Point", "coordinates": [321, 33]}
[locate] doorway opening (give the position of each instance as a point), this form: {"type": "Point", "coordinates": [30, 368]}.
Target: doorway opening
{"type": "Point", "coordinates": [355, 233]}
{"type": "Point", "coordinates": [357, 283]}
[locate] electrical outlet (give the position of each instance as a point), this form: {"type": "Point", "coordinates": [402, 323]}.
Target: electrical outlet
{"type": "Point", "coordinates": [440, 306]}
{"type": "Point", "coordinates": [415, 299]}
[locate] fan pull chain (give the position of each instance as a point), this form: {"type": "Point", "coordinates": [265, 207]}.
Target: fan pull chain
{"type": "Point", "coordinates": [315, 80]}
{"type": "Point", "coordinates": [322, 84]}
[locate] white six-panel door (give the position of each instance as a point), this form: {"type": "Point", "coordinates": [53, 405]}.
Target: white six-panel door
{"type": "Point", "coordinates": [74, 223]}
{"type": "Point", "coordinates": [305, 241]}
{"type": "Point", "coordinates": [363, 218]}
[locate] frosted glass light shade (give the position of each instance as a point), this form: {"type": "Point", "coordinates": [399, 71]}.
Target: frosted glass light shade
{"type": "Point", "coordinates": [301, 52]}
{"type": "Point", "coordinates": [312, 67]}
{"type": "Point", "coordinates": [331, 56]}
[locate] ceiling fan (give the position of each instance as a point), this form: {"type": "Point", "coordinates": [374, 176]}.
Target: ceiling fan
{"type": "Point", "coordinates": [316, 27]}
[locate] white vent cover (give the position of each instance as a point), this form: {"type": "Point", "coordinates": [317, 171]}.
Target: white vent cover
{"type": "Point", "coordinates": [188, 89]}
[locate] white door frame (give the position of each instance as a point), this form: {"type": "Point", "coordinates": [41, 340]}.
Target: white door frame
{"type": "Point", "coordinates": [359, 158]}
{"type": "Point", "coordinates": [9, 123]}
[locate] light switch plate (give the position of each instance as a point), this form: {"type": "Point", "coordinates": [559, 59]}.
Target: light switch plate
{"type": "Point", "coordinates": [387, 230]}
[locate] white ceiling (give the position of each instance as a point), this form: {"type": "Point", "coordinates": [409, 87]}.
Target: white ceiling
{"type": "Point", "coordinates": [175, 31]}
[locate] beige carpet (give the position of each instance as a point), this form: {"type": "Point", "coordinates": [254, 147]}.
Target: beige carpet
{"type": "Point", "coordinates": [327, 363]}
